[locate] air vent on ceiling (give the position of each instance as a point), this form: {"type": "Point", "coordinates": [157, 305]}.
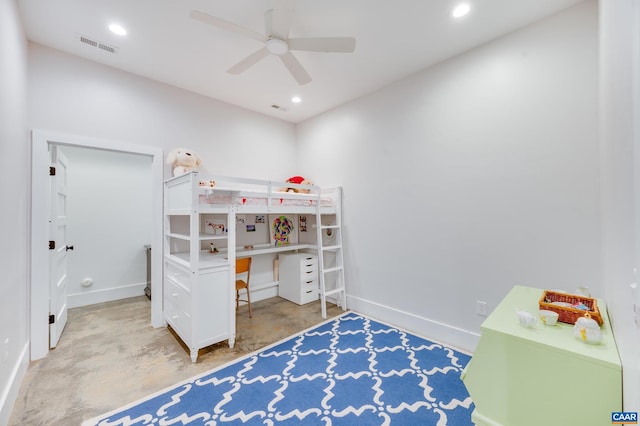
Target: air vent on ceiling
{"type": "Point", "coordinates": [97, 44]}
{"type": "Point", "coordinates": [278, 107]}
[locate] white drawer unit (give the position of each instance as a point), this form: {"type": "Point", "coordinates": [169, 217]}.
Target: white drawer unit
{"type": "Point", "coordinates": [298, 277]}
{"type": "Point", "coordinates": [177, 275]}
{"type": "Point", "coordinates": [177, 306]}
{"type": "Point", "coordinates": [197, 305]}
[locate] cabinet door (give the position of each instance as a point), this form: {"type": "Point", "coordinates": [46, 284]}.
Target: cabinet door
{"type": "Point", "coordinates": [214, 307]}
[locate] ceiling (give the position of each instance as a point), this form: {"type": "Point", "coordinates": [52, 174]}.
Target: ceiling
{"type": "Point", "coordinates": [394, 39]}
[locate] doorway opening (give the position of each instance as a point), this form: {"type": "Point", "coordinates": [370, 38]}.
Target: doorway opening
{"type": "Point", "coordinates": [114, 153]}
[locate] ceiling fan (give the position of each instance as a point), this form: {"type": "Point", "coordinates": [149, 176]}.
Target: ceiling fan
{"type": "Point", "coordinates": [277, 41]}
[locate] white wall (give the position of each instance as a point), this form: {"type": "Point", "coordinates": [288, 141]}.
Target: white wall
{"type": "Point", "coordinates": [109, 211]}
{"type": "Point", "coordinates": [15, 211]}
{"type": "Point", "coordinates": [470, 177]}
{"type": "Point", "coordinates": [620, 159]}
{"type": "Point", "coordinates": [71, 95]}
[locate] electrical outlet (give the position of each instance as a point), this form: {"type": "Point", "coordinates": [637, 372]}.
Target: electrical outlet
{"type": "Point", "coordinates": [481, 308]}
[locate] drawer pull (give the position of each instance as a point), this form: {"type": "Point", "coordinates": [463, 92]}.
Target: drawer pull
{"type": "Point", "coordinates": [309, 291]}
{"type": "Point", "coordinates": [309, 282]}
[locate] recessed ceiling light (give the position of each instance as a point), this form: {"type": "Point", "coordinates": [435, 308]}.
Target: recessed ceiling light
{"type": "Point", "coordinates": [296, 99]}
{"type": "Point", "coordinates": [460, 10]}
{"type": "Point", "coordinates": [118, 29]}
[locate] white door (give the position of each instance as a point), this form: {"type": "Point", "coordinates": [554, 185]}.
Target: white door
{"type": "Point", "coordinates": [58, 245]}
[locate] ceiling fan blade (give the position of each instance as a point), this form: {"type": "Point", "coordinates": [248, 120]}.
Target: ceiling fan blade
{"type": "Point", "coordinates": [281, 18]}
{"type": "Point", "coordinates": [226, 25]}
{"type": "Point", "coordinates": [248, 61]}
{"type": "Point", "coordinates": [295, 68]}
{"type": "Point", "coordinates": [323, 44]}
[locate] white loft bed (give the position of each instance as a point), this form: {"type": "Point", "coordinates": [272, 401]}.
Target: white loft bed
{"type": "Point", "coordinates": [192, 193]}
{"type": "Point", "coordinates": [188, 264]}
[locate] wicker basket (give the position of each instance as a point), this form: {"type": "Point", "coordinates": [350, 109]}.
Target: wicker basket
{"type": "Point", "coordinates": [568, 314]}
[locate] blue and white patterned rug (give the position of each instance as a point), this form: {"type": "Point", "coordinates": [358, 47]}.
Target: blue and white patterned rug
{"type": "Point", "coordinates": [350, 370]}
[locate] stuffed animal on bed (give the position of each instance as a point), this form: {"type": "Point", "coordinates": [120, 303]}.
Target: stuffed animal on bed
{"type": "Point", "coordinates": [183, 160]}
{"type": "Point", "coordinates": [297, 180]}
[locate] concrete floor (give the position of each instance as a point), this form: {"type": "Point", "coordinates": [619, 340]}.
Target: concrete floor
{"type": "Point", "coordinates": [110, 356]}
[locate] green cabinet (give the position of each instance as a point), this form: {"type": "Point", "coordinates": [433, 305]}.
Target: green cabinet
{"type": "Point", "coordinates": [542, 375]}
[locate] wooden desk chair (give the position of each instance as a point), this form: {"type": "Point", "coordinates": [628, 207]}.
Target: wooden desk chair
{"type": "Point", "coordinates": [243, 266]}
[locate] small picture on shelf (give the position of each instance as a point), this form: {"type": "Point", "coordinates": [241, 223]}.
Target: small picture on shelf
{"type": "Point", "coordinates": [260, 219]}
{"type": "Point", "coordinates": [303, 224]}
{"type": "Point", "coordinates": [215, 227]}
{"type": "Point", "coordinates": [251, 228]}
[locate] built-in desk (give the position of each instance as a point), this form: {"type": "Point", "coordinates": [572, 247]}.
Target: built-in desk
{"type": "Point", "coordinates": [213, 260]}
{"type": "Point", "coordinates": [543, 375]}
{"type": "Point", "coordinates": [210, 260]}
{"type": "Point", "coordinates": [267, 248]}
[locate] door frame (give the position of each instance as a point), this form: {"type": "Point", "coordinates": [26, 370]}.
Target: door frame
{"type": "Point", "coordinates": [39, 291]}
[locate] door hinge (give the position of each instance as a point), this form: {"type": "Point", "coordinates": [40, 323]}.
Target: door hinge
{"type": "Point", "coordinates": [52, 171]}
{"type": "Point", "coordinates": [52, 319]}
{"type": "Point", "coordinates": [52, 245]}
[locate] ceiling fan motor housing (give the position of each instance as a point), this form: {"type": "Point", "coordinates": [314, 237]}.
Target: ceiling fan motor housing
{"type": "Point", "coordinates": [275, 46]}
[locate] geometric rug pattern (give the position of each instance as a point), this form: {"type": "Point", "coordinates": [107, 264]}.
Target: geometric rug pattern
{"type": "Point", "coordinates": [350, 370]}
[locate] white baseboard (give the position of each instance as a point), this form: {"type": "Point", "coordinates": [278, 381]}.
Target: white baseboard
{"type": "Point", "coordinates": [106, 295]}
{"type": "Point", "coordinates": [437, 331]}
{"type": "Point", "coordinates": [10, 392]}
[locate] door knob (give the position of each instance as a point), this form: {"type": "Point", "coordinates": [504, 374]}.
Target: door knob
{"type": "Point", "coordinates": [67, 248]}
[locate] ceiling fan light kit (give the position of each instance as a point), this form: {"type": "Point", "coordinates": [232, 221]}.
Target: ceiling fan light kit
{"type": "Point", "coordinates": [277, 41]}
{"type": "Point", "coordinates": [278, 47]}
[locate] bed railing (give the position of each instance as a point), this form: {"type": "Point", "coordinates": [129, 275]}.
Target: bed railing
{"type": "Point", "coordinates": [182, 188]}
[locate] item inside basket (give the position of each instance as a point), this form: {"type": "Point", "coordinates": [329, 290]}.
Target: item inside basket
{"type": "Point", "coordinates": [570, 307]}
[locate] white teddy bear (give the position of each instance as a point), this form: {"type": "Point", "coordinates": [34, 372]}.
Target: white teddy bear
{"type": "Point", "coordinates": [183, 160]}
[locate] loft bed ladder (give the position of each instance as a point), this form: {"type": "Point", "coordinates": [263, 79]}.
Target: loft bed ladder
{"type": "Point", "coordinates": [330, 256]}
